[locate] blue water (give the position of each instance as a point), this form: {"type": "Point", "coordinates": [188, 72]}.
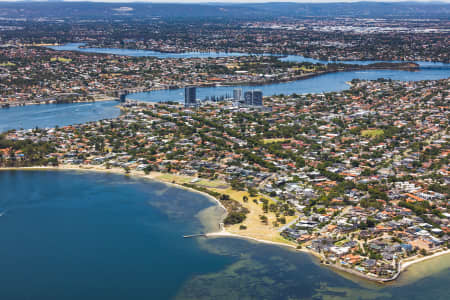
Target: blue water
{"type": "Point", "coordinates": [299, 58]}
{"type": "Point", "coordinates": [65, 114]}
{"type": "Point", "coordinates": [331, 82]}
{"type": "Point", "coordinates": [50, 115]}
{"type": "Point", "coordinates": [97, 236]}
{"type": "Point", "coordinates": [78, 235]}
{"type": "Point", "coordinates": [142, 53]}
{"type": "Point", "coordinates": [325, 83]}
{"type": "Point", "coordinates": [158, 54]}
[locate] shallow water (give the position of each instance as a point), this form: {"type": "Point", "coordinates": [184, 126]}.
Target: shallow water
{"type": "Point", "coordinates": [270, 272]}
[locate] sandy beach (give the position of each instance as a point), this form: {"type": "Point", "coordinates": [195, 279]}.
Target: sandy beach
{"type": "Point", "coordinates": [405, 265]}
{"type": "Point", "coordinates": [225, 233]}
{"type": "Point", "coordinates": [155, 176]}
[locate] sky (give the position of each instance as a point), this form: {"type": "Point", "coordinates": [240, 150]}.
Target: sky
{"type": "Point", "coordinates": [248, 1]}
{"type": "Point", "coordinates": [234, 1]}
{"type": "Point", "coordinates": [259, 1]}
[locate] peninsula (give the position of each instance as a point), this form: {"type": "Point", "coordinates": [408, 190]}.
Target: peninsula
{"type": "Point", "coordinates": [74, 77]}
{"type": "Point", "coordinates": [358, 178]}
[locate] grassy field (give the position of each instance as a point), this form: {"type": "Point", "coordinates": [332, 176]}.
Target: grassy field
{"type": "Point", "coordinates": [342, 242]}
{"type": "Point", "coordinates": [180, 179]}
{"type": "Point", "coordinates": [255, 227]}
{"type": "Point", "coordinates": [372, 133]}
{"type": "Point", "coordinates": [276, 140]}
{"type": "Point", "coordinates": [306, 69]}
{"type": "Point", "coordinates": [7, 64]}
{"type": "Point", "coordinates": [61, 59]}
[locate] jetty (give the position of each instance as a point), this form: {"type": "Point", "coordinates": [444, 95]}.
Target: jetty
{"type": "Point", "coordinates": [195, 235]}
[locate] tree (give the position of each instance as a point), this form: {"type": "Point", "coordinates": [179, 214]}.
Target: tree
{"type": "Point", "coordinates": [252, 192]}
{"type": "Point", "coordinates": [53, 161]}
{"type": "Point", "coordinates": [234, 218]}
{"type": "Point", "coordinates": [224, 197]}
{"type": "Point", "coordinates": [237, 185]}
{"type": "Point", "coordinates": [371, 222]}
{"type": "Point", "coordinates": [263, 219]}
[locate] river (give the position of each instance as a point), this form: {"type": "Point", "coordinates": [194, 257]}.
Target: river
{"type": "Point", "coordinates": [51, 115]}
{"type": "Point", "coordinates": [331, 82]}
{"type": "Point", "coordinates": [65, 114]}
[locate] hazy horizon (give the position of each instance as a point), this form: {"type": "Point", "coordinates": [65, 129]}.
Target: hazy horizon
{"type": "Point", "coordinates": [230, 1]}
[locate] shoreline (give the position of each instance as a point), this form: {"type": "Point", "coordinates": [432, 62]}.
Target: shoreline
{"type": "Point", "coordinates": [86, 45]}
{"type": "Point", "coordinates": [119, 171]}
{"type": "Point", "coordinates": [12, 105]}
{"type": "Point", "coordinates": [351, 68]}
{"type": "Point", "coordinates": [396, 66]}
{"type": "Point", "coordinates": [407, 264]}
{"type": "Point", "coordinates": [223, 233]}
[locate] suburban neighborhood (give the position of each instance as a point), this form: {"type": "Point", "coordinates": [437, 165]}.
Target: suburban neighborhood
{"type": "Point", "coordinates": [359, 177]}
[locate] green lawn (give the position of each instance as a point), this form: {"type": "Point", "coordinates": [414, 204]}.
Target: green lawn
{"type": "Point", "coordinates": [7, 64]}
{"type": "Point", "coordinates": [60, 59]}
{"type": "Point", "coordinates": [188, 179]}
{"type": "Point", "coordinates": [276, 140]}
{"type": "Point", "coordinates": [372, 133]}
